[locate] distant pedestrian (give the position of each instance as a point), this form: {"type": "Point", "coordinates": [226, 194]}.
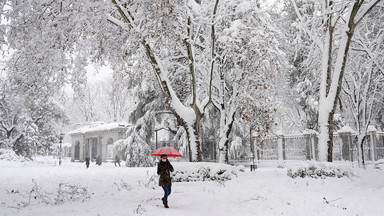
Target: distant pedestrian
{"type": "Point", "coordinates": [164, 167]}
{"type": "Point", "coordinates": [87, 159]}
{"type": "Point", "coordinates": [98, 160]}
{"type": "Point", "coordinates": [117, 160]}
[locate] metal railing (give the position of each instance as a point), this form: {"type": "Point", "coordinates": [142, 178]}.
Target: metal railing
{"type": "Point", "coordinates": [300, 147]}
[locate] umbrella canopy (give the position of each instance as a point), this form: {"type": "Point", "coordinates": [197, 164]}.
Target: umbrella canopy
{"type": "Point", "coordinates": [170, 152]}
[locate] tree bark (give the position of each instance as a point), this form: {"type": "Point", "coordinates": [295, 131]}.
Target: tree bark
{"type": "Point", "coordinates": [330, 98]}
{"type": "Point", "coordinates": [194, 144]}
{"type": "Point", "coordinates": [360, 152]}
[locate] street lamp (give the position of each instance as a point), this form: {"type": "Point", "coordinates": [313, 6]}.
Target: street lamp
{"type": "Point", "coordinates": [61, 137]}
{"type": "Point", "coordinates": [252, 165]}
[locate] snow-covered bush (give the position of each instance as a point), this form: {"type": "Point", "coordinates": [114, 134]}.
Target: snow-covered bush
{"type": "Point", "coordinates": [10, 155]}
{"type": "Point", "coordinates": [152, 180]}
{"type": "Point", "coordinates": [137, 152]}
{"type": "Point", "coordinates": [320, 170]}
{"type": "Point", "coordinates": [66, 192]}
{"type": "Point", "coordinates": [136, 149]}
{"type": "Point", "coordinates": [241, 168]}
{"type": "Point", "coordinates": [191, 172]}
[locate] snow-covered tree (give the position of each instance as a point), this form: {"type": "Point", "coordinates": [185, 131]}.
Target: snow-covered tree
{"type": "Point", "coordinates": [27, 121]}
{"type": "Point", "coordinates": [116, 100]}
{"type": "Point", "coordinates": [331, 27]}
{"type": "Point", "coordinates": [137, 147]}
{"type": "Point", "coordinates": [246, 60]}
{"type": "Point", "coordinates": [364, 81]}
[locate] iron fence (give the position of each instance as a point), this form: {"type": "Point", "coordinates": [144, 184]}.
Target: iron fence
{"type": "Point", "coordinates": [298, 147]}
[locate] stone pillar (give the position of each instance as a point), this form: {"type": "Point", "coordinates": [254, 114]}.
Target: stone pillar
{"type": "Point", "coordinates": [313, 145]}
{"type": "Point", "coordinates": [104, 150]}
{"type": "Point", "coordinates": [345, 134]}
{"type": "Point", "coordinates": [73, 150]}
{"type": "Point", "coordinates": [310, 144]}
{"type": "Point", "coordinates": [280, 146]}
{"type": "Point", "coordinates": [373, 140]}
{"type": "Point", "coordinates": [257, 148]}
{"type": "Point", "coordinates": [81, 152]}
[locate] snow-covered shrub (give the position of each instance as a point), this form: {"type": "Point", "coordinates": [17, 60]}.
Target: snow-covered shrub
{"type": "Point", "coordinates": [152, 180]}
{"type": "Point", "coordinates": [191, 172]}
{"type": "Point", "coordinates": [123, 186]}
{"type": "Point", "coordinates": [136, 151]}
{"type": "Point", "coordinates": [67, 192]}
{"type": "Point", "coordinates": [10, 155]}
{"type": "Point", "coordinates": [241, 168]}
{"type": "Point", "coordinates": [320, 170]}
{"type": "Point", "coordinates": [137, 147]}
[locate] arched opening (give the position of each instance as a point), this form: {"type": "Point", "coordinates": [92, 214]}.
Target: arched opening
{"type": "Point", "coordinates": [77, 150]}
{"type": "Point", "coordinates": [110, 152]}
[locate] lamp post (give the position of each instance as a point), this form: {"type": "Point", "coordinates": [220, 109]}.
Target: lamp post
{"type": "Point", "coordinates": [252, 165]}
{"type": "Point", "coordinates": [61, 137]}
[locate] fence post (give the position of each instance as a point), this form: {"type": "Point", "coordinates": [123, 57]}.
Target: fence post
{"type": "Point", "coordinates": [310, 143]}
{"type": "Point", "coordinates": [345, 134]}
{"type": "Point", "coordinates": [280, 146]}
{"type": "Point", "coordinates": [257, 148]}
{"type": "Point", "coordinates": [308, 146]}
{"type": "Point", "coordinates": [372, 137]}
{"type": "Point", "coordinates": [314, 144]}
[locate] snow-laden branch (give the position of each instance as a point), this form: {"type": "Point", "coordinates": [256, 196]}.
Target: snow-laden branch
{"type": "Point", "coordinates": [365, 10]}
{"type": "Point", "coordinates": [117, 22]}
{"type": "Point", "coordinates": [315, 38]}
{"type": "Point", "coordinates": [364, 48]}
{"type": "Point", "coordinates": [213, 54]}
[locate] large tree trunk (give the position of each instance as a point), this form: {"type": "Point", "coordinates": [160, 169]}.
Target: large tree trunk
{"type": "Point", "coordinates": [331, 82]}
{"type": "Point", "coordinates": [194, 144]}
{"type": "Point", "coordinates": [193, 135]}
{"type": "Point", "coordinates": [324, 131]}
{"type": "Point", "coordinates": [226, 124]}
{"type": "Point", "coordinates": [191, 114]}
{"type": "Point", "coordinates": [330, 136]}
{"type": "Point", "coordinates": [360, 153]}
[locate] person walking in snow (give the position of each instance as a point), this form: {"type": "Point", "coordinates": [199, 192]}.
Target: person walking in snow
{"type": "Point", "coordinates": [87, 159]}
{"type": "Point", "coordinates": [98, 160]}
{"type": "Point", "coordinates": [164, 167]}
{"type": "Point", "coordinates": [117, 160]}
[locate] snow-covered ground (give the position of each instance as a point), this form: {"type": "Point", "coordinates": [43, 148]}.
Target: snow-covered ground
{"type": "Point", "coordinates": [129, 191]}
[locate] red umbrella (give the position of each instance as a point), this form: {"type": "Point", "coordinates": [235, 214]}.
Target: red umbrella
{"type": "Point", "coordinates": [170, 152]}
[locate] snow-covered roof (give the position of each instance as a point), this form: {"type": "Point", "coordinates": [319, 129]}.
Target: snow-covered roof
{"type": "Point", "coordinates": [346, 129]}
{"type": "Point", "coordinates": [66, 144]}
{"type": "Point", "coordinates": [98, 127]}
{"type": "Point", "coordinates": [371, 128]}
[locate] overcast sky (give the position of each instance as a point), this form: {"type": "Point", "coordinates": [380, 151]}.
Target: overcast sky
{"type": "Point", "coordinates": [94, 75]}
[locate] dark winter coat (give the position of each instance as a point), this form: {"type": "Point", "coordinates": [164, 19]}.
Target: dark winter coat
{"type": "Point", "coordinates": [117, 159]}
{"type": "Point", "coordinates": [87, 160]}
{"type": "Point", "coordinates": [164, 169]}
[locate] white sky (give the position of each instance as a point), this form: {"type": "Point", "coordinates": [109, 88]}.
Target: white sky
{"type": "Point", "coordinates": [94, 75]}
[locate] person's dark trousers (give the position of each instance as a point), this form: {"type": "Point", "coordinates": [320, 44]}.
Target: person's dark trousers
{"type": "Point", "coordinates": [167, 191]}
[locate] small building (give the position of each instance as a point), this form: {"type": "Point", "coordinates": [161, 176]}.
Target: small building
{"type": "Point", "coordinates": [96, 139]}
